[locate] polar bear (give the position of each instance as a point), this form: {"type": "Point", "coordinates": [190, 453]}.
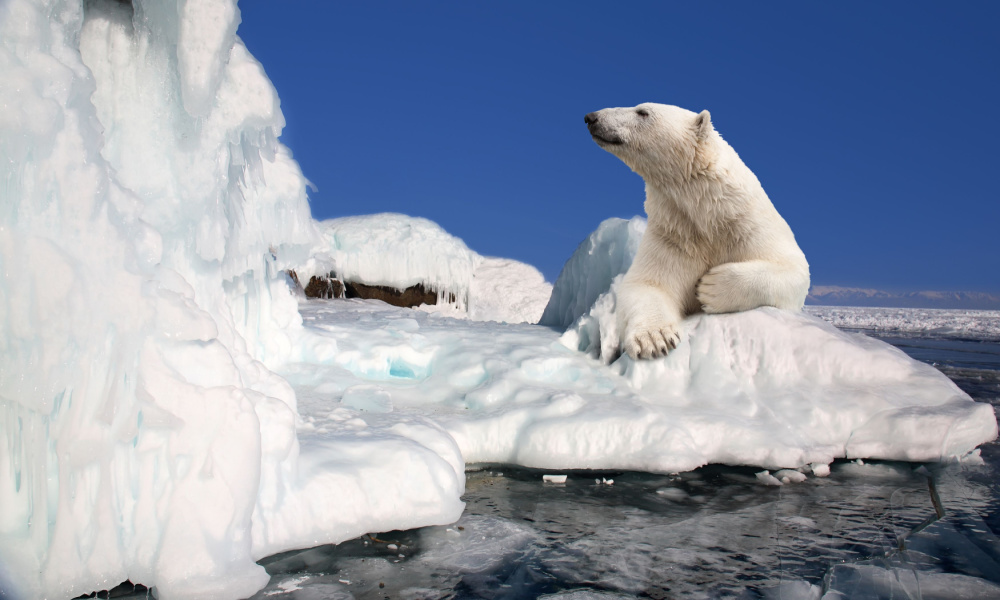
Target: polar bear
{"type": "Point", "coordinates": [714, 242]}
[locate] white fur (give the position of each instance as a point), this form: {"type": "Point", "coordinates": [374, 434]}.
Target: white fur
{"type": "Point", "coordinates": [714, 241]}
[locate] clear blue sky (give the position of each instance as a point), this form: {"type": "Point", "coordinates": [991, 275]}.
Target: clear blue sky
{"type": "Point", "coordinates": [873, 126]}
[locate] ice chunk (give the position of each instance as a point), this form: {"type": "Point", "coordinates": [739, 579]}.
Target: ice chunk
{"type": "Point", "coordinates": [790, 476]}
{"type": "Point", "coordinates": [483, 544]}
{"type": "Point", "coordinates": [766, 478]}
{"type": "Point", "coordinates": [820, 469]}
{"type": "Point", "coordinates": [605, 254]}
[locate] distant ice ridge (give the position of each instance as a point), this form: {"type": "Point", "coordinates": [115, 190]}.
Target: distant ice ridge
{"type": "Point", "coordinates": [829, 295]}
{"type": "Point", "coordinates": [401, 251]}
{"type": "Point", "coordinates": [977, 324]}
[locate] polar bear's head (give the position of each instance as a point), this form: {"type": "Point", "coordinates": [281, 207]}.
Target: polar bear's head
{"type": "Point", "coordinates": [657, 141]}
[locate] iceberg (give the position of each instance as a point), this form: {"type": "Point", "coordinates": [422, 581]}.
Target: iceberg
{"type": "Point", "coordinates": [605, 254]}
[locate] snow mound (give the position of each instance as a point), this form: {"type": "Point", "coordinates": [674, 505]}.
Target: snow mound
{"type": "Point", "coordinates": [400, 251]}
{"type": "Point", "coordinates": [508, 291]}
{"type": "Point", "coordinates": [605, 254]}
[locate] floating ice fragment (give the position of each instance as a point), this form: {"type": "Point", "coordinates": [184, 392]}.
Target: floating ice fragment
{"type": "Point", "coordinates": [766, 478]}
{"type": "Point", "coordinates": [820, 469]}
{"type": "Point", "coordinates": [554, 478]}
{"type": "Point", "coordinates": [672, 493]}
{"type": "Point", "coordinates": [790, 476]}
{"type": "Point", "coordinates": [973, 458]}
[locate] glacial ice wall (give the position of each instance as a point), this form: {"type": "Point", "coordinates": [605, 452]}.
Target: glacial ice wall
{"type": "Point", "coordinates": [146, 213]}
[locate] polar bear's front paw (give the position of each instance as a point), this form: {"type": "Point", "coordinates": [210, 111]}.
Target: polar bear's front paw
{"type": "Point", "coordinates": [721, 290]}
{"type": "Point", "coordinates": [651, 342]}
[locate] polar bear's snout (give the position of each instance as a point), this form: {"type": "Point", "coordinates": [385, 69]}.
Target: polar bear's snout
{"type": "Point", "coordinates": [599, 129]}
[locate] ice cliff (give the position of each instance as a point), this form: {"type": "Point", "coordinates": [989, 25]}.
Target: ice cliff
{"type": "Point", "coordinates": [146, 212]}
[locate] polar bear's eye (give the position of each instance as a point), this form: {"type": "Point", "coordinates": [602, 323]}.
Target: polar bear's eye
{"type": "Point", "coordinates": [642, 112]}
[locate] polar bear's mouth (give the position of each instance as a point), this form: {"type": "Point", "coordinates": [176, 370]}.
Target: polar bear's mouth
{"type": "Point", "coordinates": [602, 140]}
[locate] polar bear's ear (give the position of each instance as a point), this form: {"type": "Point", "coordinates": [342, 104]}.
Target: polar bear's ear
{"type": "Point", "coordinates": [703, 125]}
{"type": "Point", "coordinates": [704, 156]}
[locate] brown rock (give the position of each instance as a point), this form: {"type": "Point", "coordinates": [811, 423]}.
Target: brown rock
{"type": "Point", "coordinates": [324, 287]}
{"type": "Point", "coordinates": [408, 298]}
{"type": "Point", "coordinates": [295, 279]}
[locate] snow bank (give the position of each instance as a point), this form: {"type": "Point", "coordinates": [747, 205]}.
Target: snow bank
{"type": "Point", "coordinates": [400, 251]}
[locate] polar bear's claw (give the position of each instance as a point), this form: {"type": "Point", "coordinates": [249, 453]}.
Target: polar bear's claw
{"type": "Point", "coordinates": [654, 342]}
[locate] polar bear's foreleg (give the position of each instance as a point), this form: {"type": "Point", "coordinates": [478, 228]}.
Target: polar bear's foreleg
{"type": "Point", "coordinates": [648, 320]}
{"type": "Point", "coordinates": [739, 286]}
{"type": "Point", "coordinates": [652, 298]}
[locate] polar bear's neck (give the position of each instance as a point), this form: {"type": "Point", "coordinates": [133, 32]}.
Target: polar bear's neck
{"type": "Point", "coordinates": [699, 213]}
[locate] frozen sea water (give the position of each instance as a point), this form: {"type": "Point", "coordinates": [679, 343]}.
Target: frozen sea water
{"type": "Point", "coordinates": [869, 530]}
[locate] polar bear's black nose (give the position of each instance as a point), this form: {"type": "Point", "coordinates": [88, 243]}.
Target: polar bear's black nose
{"type": "Point", "coordinates": [590, 118]}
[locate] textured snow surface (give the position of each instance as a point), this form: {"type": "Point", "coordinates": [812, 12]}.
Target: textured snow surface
{"type": "Point", "coordinates": [976, 324]}
{"type": "Point", "coordinates": [401, 251]}
{"type": "Point", "coordinates": [766, 388]}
